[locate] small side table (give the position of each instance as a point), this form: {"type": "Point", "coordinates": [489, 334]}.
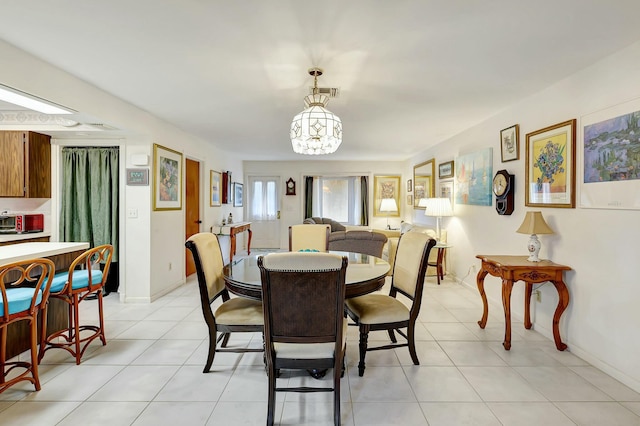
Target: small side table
{"type": "Point", "coordinates": [442, 247]}
{"type": "Point", "coordinates": [515, 268]}
{"type": "Point", "coordinates": [232, 230]}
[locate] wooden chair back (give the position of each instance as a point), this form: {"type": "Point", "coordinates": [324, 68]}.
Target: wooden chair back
{"type": "Point", "coordinates": [409, 269]}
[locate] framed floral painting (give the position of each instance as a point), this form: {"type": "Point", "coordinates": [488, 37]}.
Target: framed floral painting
{"type": "Point", "coordinates": [550, 168]}
{"type": "Point", "coordinates": [167, 178]}
{"type": "Point", "coordinates": [386, 187]}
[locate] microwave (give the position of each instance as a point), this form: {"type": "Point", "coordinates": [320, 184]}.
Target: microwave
{"type": "Point", "coordinates": [21, 223]}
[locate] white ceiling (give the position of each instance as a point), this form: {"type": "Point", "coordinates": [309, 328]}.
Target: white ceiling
{"type": "Point", "coordinates": [410, 73]}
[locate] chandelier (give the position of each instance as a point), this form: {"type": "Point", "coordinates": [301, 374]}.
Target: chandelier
{"type": "Point", "coordinates": [316, 130]}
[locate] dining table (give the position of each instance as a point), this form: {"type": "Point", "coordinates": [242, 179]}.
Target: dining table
{"type": "Point", "coordinates": [365, 274]}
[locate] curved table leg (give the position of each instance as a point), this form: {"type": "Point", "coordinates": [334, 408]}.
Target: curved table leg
{"type": "Point", "coordinates": [480, 282]}
{"type": "Point", "coordinates": [507, 286]}
{"type": "Point", "coordinates": [527, 306]}
{"type": "Point", "coordinates": [563, 302]}
{"type": "Point", "coordinates": [249, 240]}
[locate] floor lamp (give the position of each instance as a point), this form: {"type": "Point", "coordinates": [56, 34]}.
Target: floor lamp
{"type": "Point", "coordinates": [438, 207]}
{"type": "Point", "coordinates": [389, 206]}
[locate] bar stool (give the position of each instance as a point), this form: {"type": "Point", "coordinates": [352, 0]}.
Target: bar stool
{"type": "Point", "coordinates": [24, 291]}
{"type": "Point", "coordinates": [83, 279]}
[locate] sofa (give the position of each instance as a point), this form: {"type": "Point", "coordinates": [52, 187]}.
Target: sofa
{"type": "Point", "coordinates": [389, 252]}
{"type": "Point", "coordinates": [354, 240]}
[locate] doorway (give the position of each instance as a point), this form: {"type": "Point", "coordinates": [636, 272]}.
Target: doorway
{"type": "Point", "coordinates": [192, 209]}
{"type": "Point", "coordinates": [263, 211]}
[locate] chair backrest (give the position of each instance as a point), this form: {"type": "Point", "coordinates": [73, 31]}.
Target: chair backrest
{"type": "Point", "coordinates": [410, 265]}
{"type": "Point", "coordinates": [96, 260]}
{"type": "Point", "coordinates": [24, 286]}
{"type": "Point", "coordinates": [309, 237]}
{"type": "Point", "coordinates": [207, 257]}
{"type": "Point", "coordinates": [303, 297]}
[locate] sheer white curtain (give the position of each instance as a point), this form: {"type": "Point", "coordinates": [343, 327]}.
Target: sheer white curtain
{"type": "Point", "coordinates": [338, 197]}
{"type": "Point", "coordinates": [264, 203]}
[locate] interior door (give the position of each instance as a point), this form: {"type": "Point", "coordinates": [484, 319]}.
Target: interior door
{"type": "Point", "coordinates": [192, 206]}
{"type": "Point", "coordinates": [263, 211]}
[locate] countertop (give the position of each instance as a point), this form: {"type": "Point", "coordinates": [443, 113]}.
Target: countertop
{"type": "Point", "coordinates": [16, 252]}
{"type": "Point", "coordinates": [26, 236]}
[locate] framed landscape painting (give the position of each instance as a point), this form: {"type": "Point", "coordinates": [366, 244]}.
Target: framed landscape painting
{"type": "Point", "coordinates": [610, 158]}
{"type": "Point", "coordinates": [167, 178]}
{"type": "Point", "coordinates": [237, 194]}
{"type": "Point", "coordinates": [550, 169]}
{"type": "Point", "coordinates": [215, 199]}
{"type": "Point", "coordinates": [474, 175]}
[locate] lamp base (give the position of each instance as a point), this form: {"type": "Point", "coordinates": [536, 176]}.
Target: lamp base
{"type": "Point", "coordinates": [534, 248]}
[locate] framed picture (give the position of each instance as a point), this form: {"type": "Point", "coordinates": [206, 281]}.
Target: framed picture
{"type": "Point", "coordinates": [167, 178]}
{"type": "Point", "coordinates": [609, 164]}
{"type": "Point", "coordinates": [409, 200]}
{"type": "Point", "coordinates": [474, 176]}
{"type": "Point", "coordinates": [409, 186]}
{"type": "Point", "coordinates": [510, 143]}
{"type": "Point", "coordinates": [446, 190]}
{"type": "Point", "coordinates": [237, 194]}
{"type": "Point", "coordinates": [445, 170]}
{"type": "Point", "coordinates": [422, 189]}
{"type": "Point", "coordinates": [215, 194]}
{"type": "Point", "coordinates": [386, 187]}
{"type": "Point", "coordinates": [550, 173]}
{"type": "Point", "coordinates": [226, 194]}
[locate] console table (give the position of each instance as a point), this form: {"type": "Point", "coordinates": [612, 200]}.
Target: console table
{"type": "Point", "coordinates": [516, 268]}
{"type": "Point", "coordinates": [232, 230]}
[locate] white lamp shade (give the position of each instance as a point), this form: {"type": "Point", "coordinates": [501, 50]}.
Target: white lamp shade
{"type": "Point", "coordinates": [316, 130]}
{"type": "Point", "coordinates": [438, 207]}
{"type": "Point", "coordinates": [388, 205]}
{"type": "Point", "coordinates": [422, 202]}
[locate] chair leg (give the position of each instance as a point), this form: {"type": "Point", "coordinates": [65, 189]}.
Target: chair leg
{"type": "Point", "coordinates": [3, 352]}
{"type": "Point", "coordinates": [213, 334]}
{"type": "Point", "coordinates": [225, 340]}
{"type": "Point", "coordinates": [392, 336]}
{"type": "Point", "coordinates": [336, 393]}
{"type": "Point", "coordinates": [271, 403]}
{"type": "Point", "coordinates": [103, 338]}
{"type": "Point", "coordinates": [364, 337]}
{"type": "Point", "coordinates": [412, 343]}
{"type": "Point", "coordinates": [76, 327]}
{"type": "Point", "coordinates": [34, 352]}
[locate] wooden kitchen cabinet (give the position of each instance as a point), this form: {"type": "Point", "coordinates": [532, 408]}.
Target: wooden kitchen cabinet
{"type": "Point", "coordinates": [25, 165]}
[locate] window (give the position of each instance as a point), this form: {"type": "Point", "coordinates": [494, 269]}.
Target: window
{"type": "Point", "coordinates": [338, 198]}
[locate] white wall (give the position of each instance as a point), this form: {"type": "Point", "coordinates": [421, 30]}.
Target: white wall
{"type": "Point", "coordinates": [600, 324]}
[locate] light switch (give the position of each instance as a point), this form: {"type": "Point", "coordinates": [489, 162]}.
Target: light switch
{"type": "Point", "coordinates": [132, 213]}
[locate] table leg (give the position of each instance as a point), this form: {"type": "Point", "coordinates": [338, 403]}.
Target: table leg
{"type": "Point", "coordinates": [507, 286]}
{"type": "Point", "coordinates": [232, 251]}
{"type": "Point", "coordinates": [480, 282]}
{"type": "Point", "coordinates": [527, 305]}
{"type": "Point", "coordinates": [563, 302]}
{"type": "Point", "coordinates": [439, 265]}
{"type": "Point", "coordinates": [249, 241]}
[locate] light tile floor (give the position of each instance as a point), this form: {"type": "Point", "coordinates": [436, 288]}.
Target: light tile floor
{"type": "Point", "coordinates": [150, 373]}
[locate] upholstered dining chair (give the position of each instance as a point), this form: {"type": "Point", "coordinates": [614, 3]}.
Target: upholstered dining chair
{"type": "Point", "coordinates": [234, 315]}
{"type": "Point", "coordinates": [309, 237]}
{"type": "Point", "coordinates": [381, 312]}
{"type": "Point", "coordinates": [85, 278]}
{"type": "Point", "coordinates": [305, 328]}
{"type": "Point", "coordinates": [24, 291]}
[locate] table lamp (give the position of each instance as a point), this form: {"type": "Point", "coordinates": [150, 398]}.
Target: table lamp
{"type": "Point", "coordinates": [534, 224]}
{"type": "Point", "coordinates": [438, 207]}
{"type": "Point", "coordinates": [388, 205]}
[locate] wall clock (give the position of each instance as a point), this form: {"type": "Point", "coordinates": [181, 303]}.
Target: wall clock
{"type": "Point", "coordinates": [503, 188]}
{"type": "Point", "coordinates": [291, 187]}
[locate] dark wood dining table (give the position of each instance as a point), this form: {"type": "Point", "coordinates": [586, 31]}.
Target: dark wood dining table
{"type": "Point", "coordinates": [365, 274]}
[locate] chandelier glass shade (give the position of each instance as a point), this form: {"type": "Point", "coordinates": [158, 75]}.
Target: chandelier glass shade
{"type": "Point", "coordinates": [316, 130]}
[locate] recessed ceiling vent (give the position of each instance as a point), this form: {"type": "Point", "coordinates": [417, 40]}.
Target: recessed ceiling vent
{"type": "Point", "coordinates": [102, 126]}
{"type": "Point", "coordinates": [331, 92]}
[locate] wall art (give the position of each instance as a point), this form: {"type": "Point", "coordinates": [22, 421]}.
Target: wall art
{"type": "Point", "coordinates": [474, 174]}
{"type": "Point", "coordinates": [167, 178]}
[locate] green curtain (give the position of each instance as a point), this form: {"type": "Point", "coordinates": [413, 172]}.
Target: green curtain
{"type": "Point", "coordinates": [308, 197]}
{"type": "Point", "coordinates": [89, 207]}
{"type": "Point", "coordinates": [364, 206]}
